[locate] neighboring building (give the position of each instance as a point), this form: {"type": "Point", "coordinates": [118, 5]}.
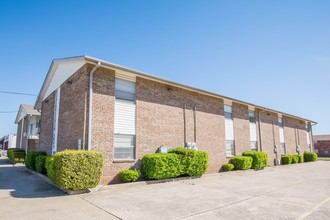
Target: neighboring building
{"type": "Point", "coordinates": [88, 103]}
{"type": "Point", "coordinates": [322, 145]}
{"type": "Point", "coordinates": [9, 141]}
{"type": "Point", "coordinates": [28, 128]}
{"type": "Point", "coordinates": [1, 143]}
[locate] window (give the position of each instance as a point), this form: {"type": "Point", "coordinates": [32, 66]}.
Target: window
{"type": "Point", "coordinates": [125, 90]}
{"type": "Point", "coordinates": [31, 129]}
{"type": "Point", "coordinates": [229, 131]}
{"type": "Point", "coordinates": [124, 146]}
{"type": "Point", "coordinates": [280, 122]}
{"type": "Point", "coordinates": [281, 131]}
{"type": "Point", "coordinates": [253, 131]}
{"type": "Point", "coordinates": [252, 118]}
{"type": "Point", "coordinates": [125, 117]}
{"type": "Point", "coordinates": [230, 149]}
{"type": "Point", "coordinates": [254, 145]}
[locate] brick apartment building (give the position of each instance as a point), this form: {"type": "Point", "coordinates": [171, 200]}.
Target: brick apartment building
{"type": "Point", "coordinates": [322, 145]}
{"type": "Point", "coordinates": [87, 103]}
{"type": "Point", "coordinates": [27, 120]}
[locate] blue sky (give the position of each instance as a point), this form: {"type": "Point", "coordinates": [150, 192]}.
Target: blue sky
{"type": "Point", "coordinates": [271, 53]}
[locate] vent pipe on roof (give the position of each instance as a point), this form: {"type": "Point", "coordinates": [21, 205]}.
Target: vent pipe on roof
{"type": "Point", "coordinates": [90, 103]}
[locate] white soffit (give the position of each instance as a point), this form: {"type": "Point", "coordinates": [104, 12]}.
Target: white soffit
{"type": "Point", "coordinates": [125, 75]}
{"type": "Point", "coordinates": [61, 73]}
{"type": "Point", "coordinates": [21, 114]}
{"type": "Point", "coordinates": [251, 108]}
{"type": "Point", "coordinates": [227, 102]}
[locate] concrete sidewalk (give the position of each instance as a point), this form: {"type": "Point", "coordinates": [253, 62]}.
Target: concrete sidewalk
{"type": "Point", "coordinates": [25, 196]}
{"type": "Point", "coordinates": [300, 191]}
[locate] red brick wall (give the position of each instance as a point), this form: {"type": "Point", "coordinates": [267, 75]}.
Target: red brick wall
{"type": "Point", "coordinates": [267, 120]}
{"type": "Point", "coordinates": [241, 128]}
{"type": "Point", "coordinates": [322, 148]}
{"type": "Point", "coordinates": [293, 127]}
{"type": "Point", "coordinates": [160, 121]}
{"type": "Point", "coordinates": [73, 111]}
{"type": "Point", "coordinates": [103, 120]}
{"type": "Point", "coordinates": [46, 128]}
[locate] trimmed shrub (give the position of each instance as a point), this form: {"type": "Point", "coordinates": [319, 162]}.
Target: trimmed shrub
{"type": "Point", "coordinates": [286, 159]}
{"type": "Point", "coordinates": [16, 155]}
{"type": "Point", "coordinates": [241, 162]}
{"type": "Point", "coordinates": [300, 158]}
{"type": "Point", "coordinates": [77, 169]}
{"type": "Point", "coordinates": [259, 159]}
{"type": "Point", "coordinates": [310, 156]}
{"type": "Point", "coordinates": [161, 166]}
{"type": "Point", "coordinates": [228, 167]}
{"type": "Point", "coordinates": [294, 158]}
{"type": "Point", "coordinates": [40, 164]}
{"type": "Point", "coordinates": [126, 176]}
{"type": "Point", "coordinates": [49, 165]}
{"type": "Point", "coordinates": [30, 160]}
{"type": "Point", "coordinates": [192, 162]}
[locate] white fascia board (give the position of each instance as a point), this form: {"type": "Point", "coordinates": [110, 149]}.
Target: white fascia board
{"type": "Point", "coordinates": [62, 72]}
{"type": "Point", "coordinates": [57, 74]}
{"type": "Point", "coordinates": [137, 73]}
{"type": "Point", "coordinates": [20, 115]}
{"type": "Point", "coordinates": [120, 69]}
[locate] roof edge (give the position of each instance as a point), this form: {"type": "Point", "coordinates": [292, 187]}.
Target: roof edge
{"type": "Point", "coordinates": [106, 64]}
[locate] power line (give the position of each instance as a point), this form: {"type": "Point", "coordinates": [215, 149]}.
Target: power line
{"type": "Point", "coordinates": [4, 112]}
{"type": "Point", "coordinates": [18, 93]}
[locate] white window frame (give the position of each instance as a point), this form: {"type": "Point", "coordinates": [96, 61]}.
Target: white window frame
{"type": "Point", "coordinates": [126, 95]}
{"type": "Point", "coordinates": [228, 111]}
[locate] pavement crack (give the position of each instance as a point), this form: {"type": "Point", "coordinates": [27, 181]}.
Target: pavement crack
{"type": "Point", "coordinates": [233, 203]}
{"type": "Point", "coordinates": [104, 210]}
{"type": "Point", "coordinates": [313, 209]}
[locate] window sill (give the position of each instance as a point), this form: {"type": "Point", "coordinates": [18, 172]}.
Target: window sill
{"type": "Point", "coordinates": [124, 161]}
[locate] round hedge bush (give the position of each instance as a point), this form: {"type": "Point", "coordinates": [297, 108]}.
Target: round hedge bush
{"type": "Point", "coordinates": [227, 167]}
{"type": "Point", "coordinates": [241, 162]}
{"type": "Point", "coordinates": [286, 159]}
{"type": "Point", "coordinates": [126, 176]}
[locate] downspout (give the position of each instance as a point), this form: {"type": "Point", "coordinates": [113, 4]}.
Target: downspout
{"type": "Point", "coordinates": [20, 140]}
{"type": "Point", "coordinates": [259, 127]}
{"type": "Point", "coordinates": [312, 140]}
{"type": "Point", "coordinates": [90, 102]}
{"type": "Point", "coordinates": [295, 135]}
{"type": "Point", "coordinates": [184, 125]}
{"type": "Point", "coordinates": [27, 135]}
{"type": "Point", "coordinates": [195, 125]}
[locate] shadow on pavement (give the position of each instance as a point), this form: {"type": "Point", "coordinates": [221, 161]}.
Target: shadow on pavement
{"type": "Point", "coordinates": [16, 181]}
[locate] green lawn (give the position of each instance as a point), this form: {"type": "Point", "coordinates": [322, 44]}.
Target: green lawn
{"type": "Point", "coordinates": [324, 158]}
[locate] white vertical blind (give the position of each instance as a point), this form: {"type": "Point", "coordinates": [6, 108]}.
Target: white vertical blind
{"type": "Point", "coordinates": [124, 117]}
{"type": "Point", "coordinates": [229, 125]}
{"type": "Point", "coordinates": [308, 140]}
{"type": "Point", "coordinates": [253, 132]}
{"type": "Point", "coordinates": [281, 134]}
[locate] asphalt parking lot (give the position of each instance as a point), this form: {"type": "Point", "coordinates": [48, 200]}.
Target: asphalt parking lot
{"type": "Point", "coordinates": [299, 191]}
